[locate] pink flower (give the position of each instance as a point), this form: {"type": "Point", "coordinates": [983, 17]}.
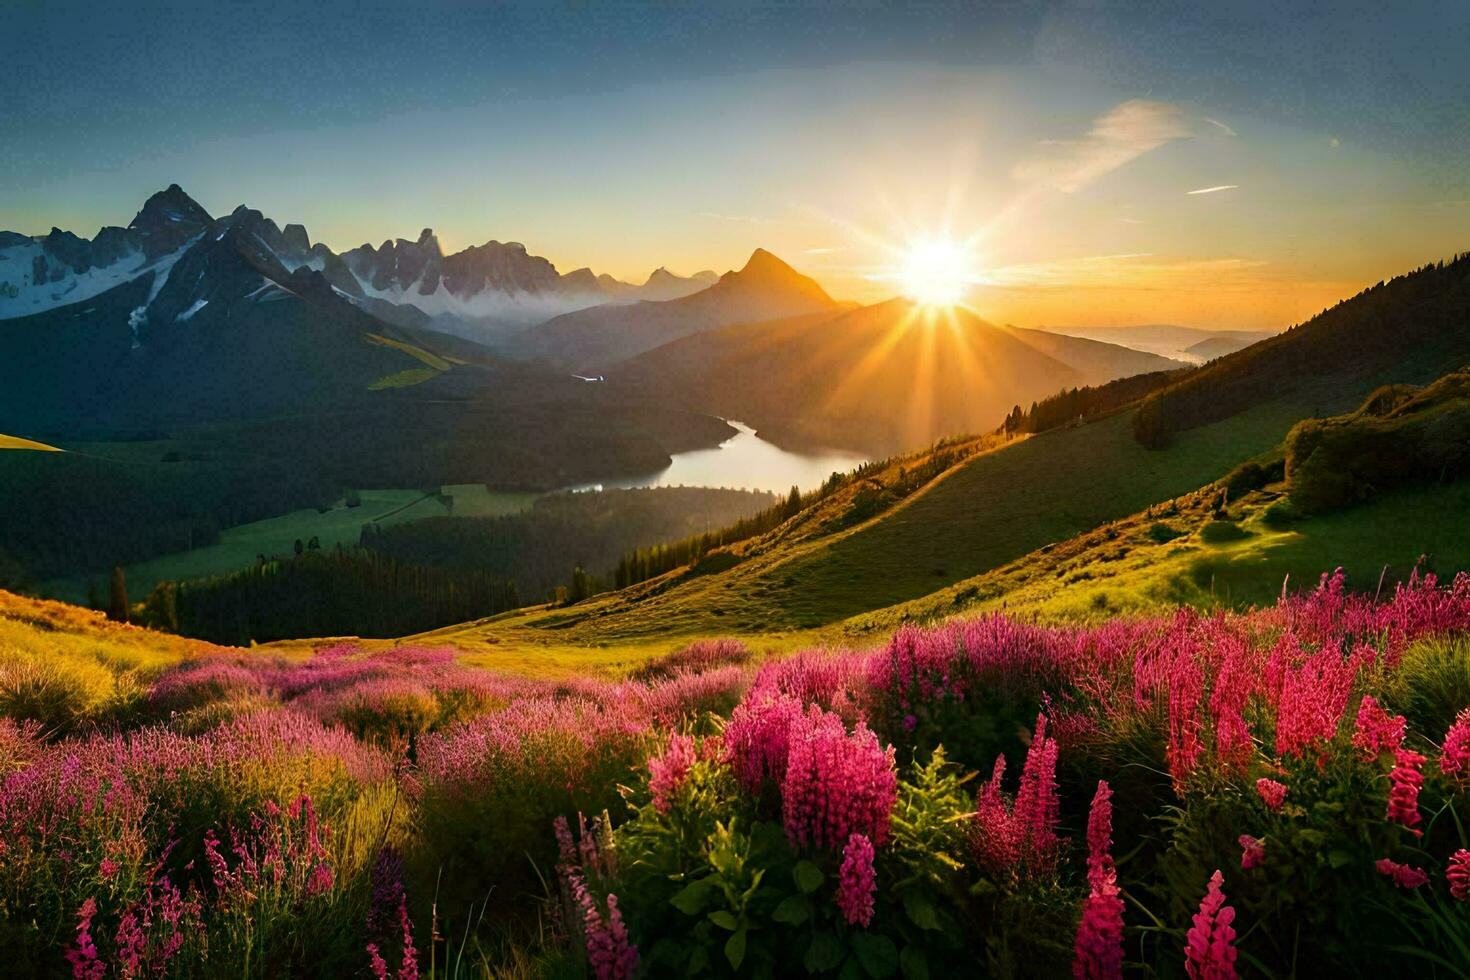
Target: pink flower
{"type": "Point", "coordinates": [610, 953]}
{"type": "Point", "coordinates": [1272, 793]}
{"type": "Point", "coordinates": [1455, 759]}
{"type": "Point", "coordinates": [1376, 731]}
{"type": "Point", "coordinates": [83, 957]}
{"type": "Point", "coordinates": [668, 771]}
{"type": "Point", "coordinates": [1024, 839]}
{"type": "Point", "coordinates": [1252, 852]}
{"type": "Point", "coordinates": [108, 869]}
{"type": "Point", "coordinates": [1209, 953]}
{"type": "Point", "coordinates": [376, 963]}
{"type": "Point", "coordinates": [836, 784]}
{"type": "Point", "coordinates": [856, 881]}
{"type": "Point", "coordinates": [1403, 797]}
{"type": "Point", "coordinates": [1403, 875]}
{"type": "Point", "coordinates": [1100, 837]}
{"type": "Point", "coordinates": [757, 738]}
{"type": "Point", "coordinates": [1458, 875]}
{"type": "Point", "coordinates": [1098, 951]}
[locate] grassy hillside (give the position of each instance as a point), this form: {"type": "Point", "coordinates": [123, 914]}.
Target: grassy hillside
{"type": "Point", "coordinates": [1011, 499]}
{"type": "Point", "coordinates": [1411, 329]}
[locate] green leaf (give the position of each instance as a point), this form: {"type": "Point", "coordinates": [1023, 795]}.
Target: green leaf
{"type": "Point", "coordinates": [691, 898]}
{"type": "Point", "coordinates": [823, 954]}
{"type": "Point", "coordinates": [920, 910]}
{"type": "Point", "coordinates": [725, 919]}
{"type": "Point", "coordinates": [876, 953]}
{"type": "Point", "coordinates": [794, 910]}
{"type": "Point", "coordinates": [1338, 859]}
{"type": "Point", "coordinates": [914, 963]}
{"type": "Point", "coordinates": [735, 949]}
{"type": "Point", "coordinates": [808, 876]}
{"type": "Point", "coordinates": [851, 970]}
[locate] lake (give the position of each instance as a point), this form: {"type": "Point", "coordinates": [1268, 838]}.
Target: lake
{"type": "Point", "coordinates": [745, 461]}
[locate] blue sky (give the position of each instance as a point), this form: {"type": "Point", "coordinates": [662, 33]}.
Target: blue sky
{"type": "Point", "coordinates": [1063, 137]}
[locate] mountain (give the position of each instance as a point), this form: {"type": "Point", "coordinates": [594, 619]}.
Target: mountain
{"type": "Point", "coordinates": [957, 527]}
{"type": "Point", "coordinates": [590, 340]}
{"type": "Point", "coordinates": [1408, 330]}
{"type": "Point", "coordinates": [878, 378]}
{"type": "Point", "coordinates": [1170, 340]}
{"type": "Point", "coordinates": [41, 273]}
{"type": "Point", "coordinates": [478, 293]}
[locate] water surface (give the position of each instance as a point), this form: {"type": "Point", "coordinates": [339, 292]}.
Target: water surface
{"type": "Point", "coordinates": [745, 461]}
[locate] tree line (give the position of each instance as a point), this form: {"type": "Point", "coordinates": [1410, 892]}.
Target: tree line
{"type": "Point", "coordinates": [344, 592]}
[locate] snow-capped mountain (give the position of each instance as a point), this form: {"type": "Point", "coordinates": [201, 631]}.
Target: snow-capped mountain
{"type": "Point", "coordinates": [479, 292]}
{"type": "Point", "coordinates": [47, 271]}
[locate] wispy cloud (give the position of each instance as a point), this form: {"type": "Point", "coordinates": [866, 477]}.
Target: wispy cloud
{"type": "Point", "coordinates": [1131, 221]}
{"type": "Point", "coordinates": [1220, 126]}
{"type": "Point", "coordinates": [1123, 134]}
{"type": "Point", "coordinates": [822, 251]}
{"type": "Point", "coordinates": [1217, 187]}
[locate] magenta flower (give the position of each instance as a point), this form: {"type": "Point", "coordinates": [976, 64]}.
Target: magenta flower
{"type": "Point", "coordinates": [667, 772]}
{"type": "Point", "coordinates": [1403, 796]}
{"type": "Point", "coordinates": [1252, 852]}
{"type": "Point", "coordinates": [857, 881]}
{"type": "Point", "coordinates": [1098, 951]}
{"type": "Point", "coordinates": [85, 964]}
{"type": "Point", "coordinates": [1403, 875]}
{"type": "Point", "coordinates": [1376, 731]}
{"type": "Point", "coordinates": [1458, 875]}
{"type": "Point", "coordinates": [1272, 793]}
{"type": "Point", "coordinates": [1454, 761]}
{"type": "Point", "coordinates": [837, 784]}
{"type": "Point", "coordinates": [1100, 836]}
{"type": "Point", "coordinates": [1022, 840]}
{"type": "Point", "coordinates": [1209, 951]}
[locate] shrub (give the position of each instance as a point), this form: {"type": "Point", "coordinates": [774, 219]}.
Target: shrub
{"type": "Point", "coordinates": [1432, 684]}
{"type": "Point", "coordinates": [1222, 532]}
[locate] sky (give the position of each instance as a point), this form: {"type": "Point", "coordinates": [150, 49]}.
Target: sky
{"type": "Point", "coordinates": [1221, 165]}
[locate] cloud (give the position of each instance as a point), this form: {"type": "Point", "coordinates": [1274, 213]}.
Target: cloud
{"type": "Point", "coordinates": [1124, 133]}
{"type": "Point", "coordinates": [1211, 190]}
{"type": "Point", "coordinates": [1221, 126]}
{"type": "Point", "coordinates": [821, 251]}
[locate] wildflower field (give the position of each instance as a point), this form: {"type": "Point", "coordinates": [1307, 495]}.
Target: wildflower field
{"type": "Point", "coordinates": [1279, 793]}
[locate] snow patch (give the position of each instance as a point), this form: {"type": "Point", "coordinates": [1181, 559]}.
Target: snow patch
{"type": "Point", "coordinates": [198, 305]}
{"type": "Point", "coordinates": [136, 319]}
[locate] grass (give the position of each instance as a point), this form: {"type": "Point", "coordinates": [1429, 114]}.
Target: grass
{"type": "Point", "coordinates": [16, 442]}
{"type": "Point", "coordinates": [980, 515]}
{"type": "Point", "coordinates": [66, 666]}
{"type": "Point", "coordinates": [239, 546]}
{"type": "Point", "coordinates": [1121, 568]}
{"type": "Point", "coordinates": [404, 379]}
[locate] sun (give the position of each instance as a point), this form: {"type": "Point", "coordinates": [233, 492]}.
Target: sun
{"type": "Point", "coordinates": [936, 272]}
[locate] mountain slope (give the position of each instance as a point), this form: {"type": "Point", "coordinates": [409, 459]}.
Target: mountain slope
{"type": "Point", "coordinates": [589, 340]}
{"type": "Point", "coordinates": [1412, 329]}
{"type": "Point", "coordinates": [1169, 340]}
{"type": "Point", "coordinates": [879, 378]}
{"type": "Point", "coordinates": [1004, 502]}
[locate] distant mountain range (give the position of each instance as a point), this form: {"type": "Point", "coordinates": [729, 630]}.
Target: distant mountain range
{"type": "Point", "coordinates": [1192, 344]}
{"type": "Point", "coordinates": [877, 378]}
{"type": "Point", "coordinates": [590, 340]}
{"type": "Point", "coordinates": [472, 292]}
